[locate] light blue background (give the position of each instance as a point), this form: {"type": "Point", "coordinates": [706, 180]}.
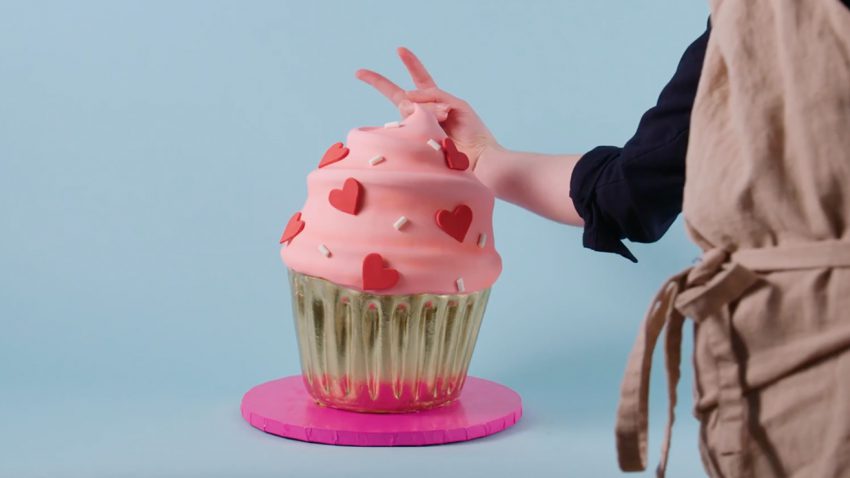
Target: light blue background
{"type": "Point", "coordinates": [151, 153]}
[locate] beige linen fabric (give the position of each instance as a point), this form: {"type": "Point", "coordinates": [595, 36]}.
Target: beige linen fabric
{"type": "Point", "coordinates": [767, 197]}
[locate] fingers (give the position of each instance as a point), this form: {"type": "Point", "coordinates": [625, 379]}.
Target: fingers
{"type": "Point", "coordinates": [384, 86]}
{"type": "Point", "coordinates": [427, 94]}
{"type": "Point", "coordinates": [421, 78]}
{"type": "Point", "coordinates": [439, 110]}
{"type": "Point", "coordinates": [405, 107]}
{"type": "Point", "coordinates": [434, 95]}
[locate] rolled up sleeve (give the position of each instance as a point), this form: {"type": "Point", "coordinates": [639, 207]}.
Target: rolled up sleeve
{"type": "Point", "coordinates": [635, 191]}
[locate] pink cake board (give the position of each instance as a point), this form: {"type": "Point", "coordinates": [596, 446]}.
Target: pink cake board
{"type": "Point", "coordinates": [282, 407]}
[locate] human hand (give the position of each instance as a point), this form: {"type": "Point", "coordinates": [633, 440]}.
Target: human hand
{"type": "Point", "coordinates": [457, 118]}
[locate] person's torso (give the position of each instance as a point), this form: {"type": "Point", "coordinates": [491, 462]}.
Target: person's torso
{"type": "Point", "coordinates": [769, 149]}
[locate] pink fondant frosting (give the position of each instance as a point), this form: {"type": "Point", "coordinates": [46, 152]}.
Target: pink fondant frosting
{"type": "Point", "coordinates": [412, 181]}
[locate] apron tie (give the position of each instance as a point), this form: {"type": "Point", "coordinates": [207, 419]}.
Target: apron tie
{"type": "Point", "coordinates": [695, 292]}
{"type": "Point", "coordinates": [699, 292]}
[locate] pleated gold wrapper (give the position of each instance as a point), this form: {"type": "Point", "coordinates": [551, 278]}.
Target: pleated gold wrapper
{"type": "Point", "coordinates": [383, 353]}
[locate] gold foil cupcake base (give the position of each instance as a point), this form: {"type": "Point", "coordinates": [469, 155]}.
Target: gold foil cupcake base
{"type": "Point", "coordinates": [383, 354]}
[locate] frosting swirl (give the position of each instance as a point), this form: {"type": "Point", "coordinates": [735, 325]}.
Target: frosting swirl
{"type": "Point", "coordinates": [394, 193]}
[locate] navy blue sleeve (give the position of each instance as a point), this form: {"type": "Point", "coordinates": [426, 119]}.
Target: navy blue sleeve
{"type": "Point", "coordinates": [635, 192]}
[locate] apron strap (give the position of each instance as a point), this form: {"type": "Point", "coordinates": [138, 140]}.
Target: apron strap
{"type": "Point", "coordinates": [810, 255]}
{"type": "Point", "coordinates": [672, 359]}
{"type": "Point", "coordinates": [633, 412]}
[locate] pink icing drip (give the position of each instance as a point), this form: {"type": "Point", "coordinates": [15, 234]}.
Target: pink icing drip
{"type": "Point", "coordinates": [413, 181]}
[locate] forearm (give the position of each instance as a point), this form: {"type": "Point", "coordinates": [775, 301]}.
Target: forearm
{"type": "Point", "coordinates": [537, 182]}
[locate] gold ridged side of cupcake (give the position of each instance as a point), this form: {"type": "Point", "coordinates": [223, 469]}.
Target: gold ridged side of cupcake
{"type": "Point", "coordinates": [383, 354]}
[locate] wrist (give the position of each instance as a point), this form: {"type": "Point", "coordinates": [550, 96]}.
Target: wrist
{"type": "Point", "coordinates": [489, 166]}
{"type": "Point", "coordinates": [489, 151]}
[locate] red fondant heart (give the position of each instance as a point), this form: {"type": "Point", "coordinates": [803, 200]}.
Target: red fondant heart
{"type": "Point", "coordinates": [333, 154]}
{"type": "Point", "coordinates": [454, 158]}
{"type": "Point", "coordinates": [349, 198]}
{"type": "Point", "coordinates": [455, 223]}
{"type": "Point", "coordinates": [293, 227]}
{"type": "Point", "coordinates": [376, 276]}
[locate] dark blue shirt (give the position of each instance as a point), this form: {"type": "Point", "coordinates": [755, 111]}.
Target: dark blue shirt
{"type": "Point", "coordinates": [635, 192]}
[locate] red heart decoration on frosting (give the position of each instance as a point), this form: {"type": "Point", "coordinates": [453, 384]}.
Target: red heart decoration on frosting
{"type": "Point", "coordinates": [376, 276]}
{"type": "Point", "coordinates": [335, 153]}
{"type": "Point", "coordinates": [293, 227]}
{"type": "Point", "coordinates": [455, 223]}
{"type": "Point", "coordinates": [454, 158]}
{"type": "Point", "coordinates": [349, 198]}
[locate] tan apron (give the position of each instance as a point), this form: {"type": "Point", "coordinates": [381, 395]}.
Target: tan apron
{"type": "Point", "coordinates": [767, 198]}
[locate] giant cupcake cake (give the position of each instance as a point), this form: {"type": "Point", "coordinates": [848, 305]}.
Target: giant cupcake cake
{"type": "Point", "coordinates": [390, 260]}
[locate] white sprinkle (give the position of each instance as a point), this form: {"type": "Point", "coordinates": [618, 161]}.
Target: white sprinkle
{"type": "Point", "coordinates": [434, 145]}
{"type": "Point", "coordinates": [376, 160]}
{"type": "Point", "coordinates": [392, 124]}
{"type": "Point", "coordinates": [482, 240]}
{"type": "Point", "coordinates": [324, 250]}
{"type": "Point", "coordinates": [459, 283]}
{"type": "Point", "coordinates": [400, 222]}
